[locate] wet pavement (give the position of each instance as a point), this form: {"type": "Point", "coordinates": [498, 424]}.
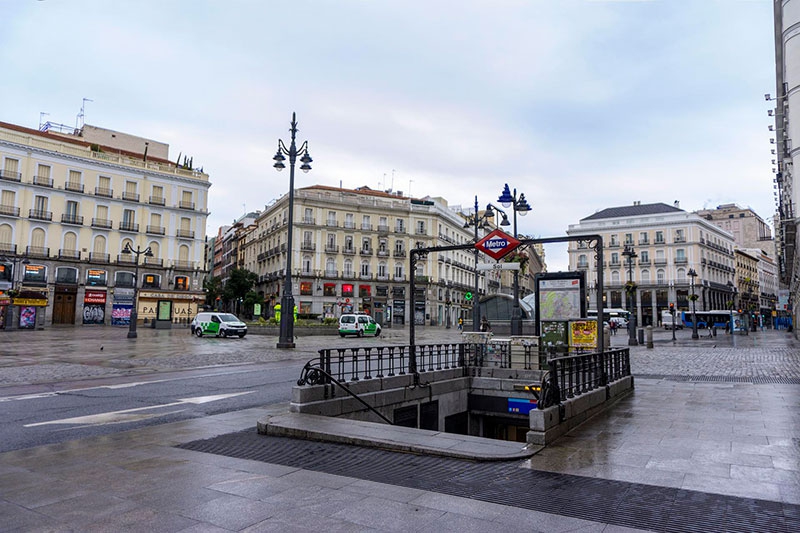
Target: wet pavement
{"type": "Point", "coordinates": [713, 426]}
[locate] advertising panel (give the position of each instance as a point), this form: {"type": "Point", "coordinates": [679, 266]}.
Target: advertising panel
{"type": "Point", "coordinates": [121, 314]}
{"type": "Point", "coordinates": [96, 277]}
{"type": "Point", "coordinates": [554, 336]}
{"type": "Point", "coordinates": [583, 333]}
{"type": "Point", "coordinates": [27, 317]}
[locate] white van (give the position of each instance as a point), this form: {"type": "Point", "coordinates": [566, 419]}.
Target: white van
{"type": "Point", "coordinates": [219, 324]}
{"type": "Point", "coordinates": [667, 318]}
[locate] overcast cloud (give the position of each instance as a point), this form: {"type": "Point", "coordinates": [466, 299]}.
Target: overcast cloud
{"type": "Point", "coordinates": [580, 104]}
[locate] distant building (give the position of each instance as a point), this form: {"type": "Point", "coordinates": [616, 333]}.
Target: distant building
{"type": "Point", "coordinates": [668, 242]}
{"type": "Point", "coordinates": [70, 202]}
{"type": "Point", "coordinates": [748, 229]}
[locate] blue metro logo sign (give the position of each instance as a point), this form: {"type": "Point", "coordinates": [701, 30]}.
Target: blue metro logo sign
{"type": "Point", "coordinates": [497, 244]}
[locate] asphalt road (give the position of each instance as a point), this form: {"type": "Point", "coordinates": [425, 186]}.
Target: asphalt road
{"type": "Point", "coordinates": [77, 410]}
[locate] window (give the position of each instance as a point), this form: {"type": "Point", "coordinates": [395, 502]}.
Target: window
{"type": "Point", "coordinates": [43, 172]}
{"type": "Point", "coordinates": [366, 243]}
{"type": "Point", "coordinates": [629, 238]}
{"type": "Point", "coordinates": [74, 178]}
{"type": "Point", "coordinates": [682, 275]}
{"type": "Point", "coordinates": [307, 239]}
{"type": "Point", "coordinates": [102, 212]}
{"type": "Point", "coordinates": [11, 166]}
{"type": "Point", "coordinates": [643, 238]}
{"type": "Point", "coordinates": [399, 246]}
{"type": "Point", "coordinates": [615, 258]}
{"type": "Point", "coordinates": [158, 192]}
{"type": "Point", "coordinates": [398, 270]}
{"type": "Point", "coordinates": [34, 274]}
{"type": "Point", "coordinates": [582, 261]}
{"type": "Point", "coordinates": [123, 279]}
{"type": "Point", "coordinates": [186, 224]}
{"type": "Point", "coordinates": [348, 221]}
{"type": "Point", "coordinates": [615, 277]}
{"type": "Point", "coordinates": [330, 268]}
{"type": "Point", "coordinates": [660, 276]}
{"type": "Point", "coordinates": [40, 205]}
{"type": "Point", "coordinates": [96, 277]}
{"type": "Point", "coordinates": [614, 240]}
{"type": "Point", "coordinates": [348, 243]}
{"type": "Point", "coordinates": [645, 276]}
{"type": "Point", "coordinates": [306, 264]}
{"type": "Point", "coordinates": [347, 290]}
{"type": "Point", "coordinates": [365, 268]}
{"type": "Point", "coordinates": [306, 288]}
{"type": "Point", "coordinates": [680, 255]}
{"type": "Point", "coordinates": [400, 225]}
{"type": "Point", "coordinates": [67, 275]}
{"type": "Point", "coordinates": [331, 218]}
{"type": "Point", "coordinates": [348, 267]}
{"type": "Point", "coordinates": [382, 271]}
{"type": "Point", "coordinates": [128, 218]}
{"type": "Point", "coordinates": [181, 283]}
{"type": "Point", "coordinates": [364, 291]}
{"type": "Point", "coordinates": [329, 289]}
{"type": "Point", "coordinates": [151, 281]}
{"type": "Point", "coordinates": [421, 227]}
{"type": "Point", "coordinates": [365, 223]}
{"type": "Point", "coordinates": [308, 215]}
{"type": "Point", "coordinates": [130, 187]}
{"type": "Point", "coordinates": [331, 240]}
{"type": "Point", "coordinates": [679, 236]}
{"type": "Point", "coordinates": [659, 237]}
{"type": "Point", "coordinates": [7, 198]}
{"type": "Point", "coordinates": [104, 183]}
{"type": "Point", "coordinates": [644, 256]}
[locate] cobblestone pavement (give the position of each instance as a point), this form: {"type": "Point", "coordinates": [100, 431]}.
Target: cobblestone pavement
{"type": "Point", "coordinates": [59, 354]}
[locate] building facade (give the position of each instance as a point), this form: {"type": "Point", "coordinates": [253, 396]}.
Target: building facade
{"type": "Point", "coordinates": [786, 100]}
{"type": "Point", "coordinates": [351, 253]}
{"type": "Point", "coordinates": [70, 203]}
{"type": "Point", "coordinates": [667, 242]}
{"type": "Point", "coordinates": [747, 228]}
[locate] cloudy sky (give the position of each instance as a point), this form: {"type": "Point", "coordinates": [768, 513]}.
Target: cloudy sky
{"type": "Point", "coordinates": [579, 104]}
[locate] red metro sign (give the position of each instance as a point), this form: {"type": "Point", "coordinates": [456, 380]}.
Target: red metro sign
{"type": "Point", "coordinates": [497, 244]}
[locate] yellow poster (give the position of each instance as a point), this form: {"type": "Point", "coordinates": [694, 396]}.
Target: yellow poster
{"type": "Point", "coordinates": [583, 334]}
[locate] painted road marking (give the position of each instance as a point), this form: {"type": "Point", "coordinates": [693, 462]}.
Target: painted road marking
{"type": "Point", "coordinates": [116, 417]}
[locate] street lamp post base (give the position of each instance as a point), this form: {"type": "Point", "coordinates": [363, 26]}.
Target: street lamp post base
{"type": "Point", "coordinates": [516, 326]}
{"type": "Point", "coordinates": [132, 335]}
{"type": "Point", "coordinates": [286, 344]}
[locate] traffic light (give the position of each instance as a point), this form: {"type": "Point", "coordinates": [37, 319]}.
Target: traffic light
{"type": "Point", "coordinates": [739, 311]}
{"type": "Point", "coordinates": [672, 308]}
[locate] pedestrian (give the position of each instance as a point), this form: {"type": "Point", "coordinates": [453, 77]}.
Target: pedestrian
{"type": "Point", "coordinates": [460, 324]}
{"type": "Point", "coordinates": [485, 326]}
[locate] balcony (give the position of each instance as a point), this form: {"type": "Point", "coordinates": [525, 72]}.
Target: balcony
{"type": "Point", "coordinates": [399, 253]}
{"type": "Point", "coordinates": [40, 215]}
{"type": "Point", "coordinates": [96, 257]}
{"type": "Point", "coordinates": [153, 261]}
{"type": "Point", "coordinates": [74, 187]}
{"type": "Point", "coordinates": [399, 279]}
{"type": "Point", "coordinates": [10, 176]}
{"type": "Point", "coordinates": [681, 260]}
{"type": "Point", "coordinates": [104, 192]}
{"type": "Point", "coordinates": [680, 239]}
{"type": "Point", "coordinates": [613, 244]}
{"type": "Point", "coordinates": [308, 246]}
{"type": "Point", "coordinates": [157, 200]}
{"type": "Point", "coordinates": [365, 277]}
{"type": "Point", "coordinates": [183, 265]}
{"type": "Point", "coordinates": [348, 251]}
{"type": "Point", "coordinates": [72, 219]}
{"type": "Point", "coordinates": [421, 231]}
{"type": "Point", "coordinates": [37, 251]}
{"type": "Point", "coordinates": [9, 211]}
{"type": "Point", "coordinates": [101, 223]}
{"type": "Point", "coordinates": [332, 224]}
{"type": "Point", "coordinates": [130, 196]}
{"type": "Point", "coordinates": [43, 181]}
{"type": "Point", "coordinates": [184, 234]}
{"type": "Point", "coordinates": [331, 249]}
{"type": "Point", "coordinates": [382, 277]}
{"type": "Point", "coordinates": [331, 274]}
{"type": "Point", "coordinates": [349, 224]}
{"type": "Point", "coordinates": [69, 254]}
{"type": "Point", "coordinates": [308, 220]}
{"type": "Point", "coordinates": [383, 253]}
{"type": "Point", "coordinates": [366, 227]}
{"type": "Point", "coordinates": [583, 266]}
{"type": "Point", "coordinates": [383, 228]}
{"type": "Point", "coordinates": [399, 229]}
{"type": "Point", "coordinates": [644, 242]}
{"type": "Point", "coordinates": [156, 230]}
{"type": "Point", "coordinates": [644, 262]}
{"type": "Point", "coordinates": [126, 258]}
{"type": "Point", "coordinates": [186, 205]}
{"type": "Point", "coordinates": [348, 274]}
{"type": "Point", "coordinates": [365, 251]}
{"type": "Point", "coordinates": [659, 262]}
{"type": "Point", "coordinates": [8, 248]}
{"type": "Point", "coordinates": [129, 226]}
{"type": "Point", "coordinates": [659, 240]}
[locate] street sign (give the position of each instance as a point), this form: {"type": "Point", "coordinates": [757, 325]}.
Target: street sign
{"type": "Point", "coordinates": [497, 244]}
{"type": "Point", "coordinates": [498, 266]}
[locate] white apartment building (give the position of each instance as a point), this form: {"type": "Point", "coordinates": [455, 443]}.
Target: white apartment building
{"type": "Point", "coordinates": [351, 253]}
{"type": "Point", "coordinates": [668, 242]}
{"type": "Point", "coordinates": [70, 202]}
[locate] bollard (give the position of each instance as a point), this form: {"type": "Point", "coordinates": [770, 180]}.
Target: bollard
{"type": "Point", "coordinates": [606, 338]}
{"type": "Point", "coordinates": [649, 335]}
{"type": "Point", "coordinates": [641, 335]}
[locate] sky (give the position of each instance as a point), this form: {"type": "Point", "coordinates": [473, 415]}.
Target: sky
{"type": "Point", "coordinates": [579, 104]}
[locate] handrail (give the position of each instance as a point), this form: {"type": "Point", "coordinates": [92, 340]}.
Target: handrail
{"type": "Point", "coordinates": [312, 375]}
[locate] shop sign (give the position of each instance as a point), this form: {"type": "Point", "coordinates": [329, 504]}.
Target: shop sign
{"type": "Point", "coordinates": [35, 273]}
{"type": "Point", "coordinates": [95, 277]}
{"type": "Point", "coordinates": [33, 302]}
{"type": "Point", "coordinates": [94, 297]}
{"type": "Point", "coordinates": [123, 295]}
{"type": "Point", "coordinates": [167, 295]}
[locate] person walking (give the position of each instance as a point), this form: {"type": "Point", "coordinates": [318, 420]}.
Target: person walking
{"type": "Point", "coordinates": [485, 326]}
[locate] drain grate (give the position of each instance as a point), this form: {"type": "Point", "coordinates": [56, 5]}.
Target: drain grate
{"type": "Point", "coordinates": [722, 379]}
{"type": "Point", "coordinates": [600, 500]}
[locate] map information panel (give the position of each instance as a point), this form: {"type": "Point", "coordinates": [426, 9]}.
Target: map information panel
{"type": "Point", "coordinates": [559, 299]}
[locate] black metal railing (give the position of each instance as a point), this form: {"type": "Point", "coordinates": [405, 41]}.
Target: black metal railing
{"type": "Point", "coordinates": [356, 364]}
{"type": "Point", "coordinates": [572, 375]}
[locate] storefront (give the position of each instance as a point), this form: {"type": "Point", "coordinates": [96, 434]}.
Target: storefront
{"type": "Point", "coordinates": [184, 305]}
{"type": "Point", "coordinates": [94, 307]}
{"type": "Point", "coordinates": [31, 306]}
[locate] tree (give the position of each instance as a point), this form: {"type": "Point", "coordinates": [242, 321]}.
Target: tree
{"type": "Point", "coordinates": [213, 287]}
{"type": "Point", "coordinates": [240, 282]}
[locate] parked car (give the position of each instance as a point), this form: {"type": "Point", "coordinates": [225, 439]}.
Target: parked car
{"type": "Point", "coordinates": [359, 325]}
{"type": "Point", "coordinates": [219, 324]}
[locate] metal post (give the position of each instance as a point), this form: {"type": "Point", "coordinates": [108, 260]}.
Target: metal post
{"type": "Point", "coordinates": [692, 274]}
{"type": "Point", "coordinates": [286, 335]}
{"type": "Point", "coordinates": [135, 309]}
{"type": "Point", "coordinates": [476, 308]}
{"type": "Point", "coordinates": [630, 254]}
{"type": "Point", "coordinates": [516, 313]}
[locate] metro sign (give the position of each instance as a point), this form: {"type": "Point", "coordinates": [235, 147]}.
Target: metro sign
{"type": "Point", "coordinates": [497, 244]}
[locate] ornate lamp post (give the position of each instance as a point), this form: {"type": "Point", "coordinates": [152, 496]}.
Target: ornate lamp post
{"type": "Point", "coordinates": [630, 289]}
{"type": "Point", "coordinates": [693, 297]}
{"type": "Point", "coordinates": [732, 305]}
{"type": "Point", "coordinates": [478, 221]}
{"type": "Point", "coordinates": [520, 205]}
{"type": "Point", "coordinates": [286, 338]}
{"type": "Point", "coordinates": [134, 310]}
{"type": "Point", "coordinates": [447, 303]}
{"type": "Point", "coordinates": [15, 262]}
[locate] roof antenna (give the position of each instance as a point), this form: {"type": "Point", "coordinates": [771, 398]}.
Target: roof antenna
{"type": "Point", "coordinates": [79, 120]}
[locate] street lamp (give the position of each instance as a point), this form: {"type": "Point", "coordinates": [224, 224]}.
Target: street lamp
{"type": "Point", "coordinates": [447, 309]}
{"type": "Point", "coordinates": [520, 205]}
{"type": "Point", "coordinates": [630, 289]}
{"type": "Point", "coordinates": [693, 297]}
{"type": "Point", "coordinates": [478, 221]}
{"type": "Point", "coordinates": [147, 252]}
{"type": "Point", "coordinates": [286, 338]}
{"type": "Point", "coordinates": [15, 262]}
